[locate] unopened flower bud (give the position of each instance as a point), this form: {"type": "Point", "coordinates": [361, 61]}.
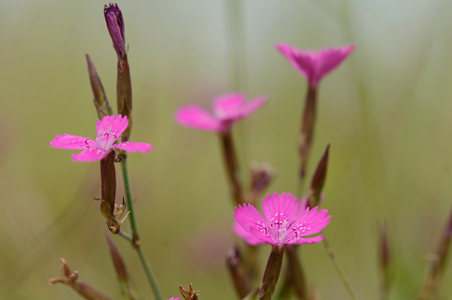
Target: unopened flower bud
{"type": "Point", "coordinates": [261, 177]}
{"type": "Point", "coordinates": [271, 274]}
{"type": "Point", "coordinates": [115, 25]}
{"type": "Point", "coordinates": [118, 262]}
{"type": "Point", "coordinates": [318, 180]}
{"type": "Point", "coordinates": [100, 98]}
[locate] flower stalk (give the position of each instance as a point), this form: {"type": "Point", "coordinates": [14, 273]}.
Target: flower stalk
{"type": "Point", "coordinates": [232, 166]}
{"type": "Point", "coordinates": [306, 136]}
{"type": "Point", "coordinates": [115, 26]}
{"type": "Point", "coordinates": [135, 241]}
{"type": "Point", "coordinates": [237, 272]}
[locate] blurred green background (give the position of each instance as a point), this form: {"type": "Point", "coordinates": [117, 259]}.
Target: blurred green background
{"type": "Point", "coordinates": [385, 111]}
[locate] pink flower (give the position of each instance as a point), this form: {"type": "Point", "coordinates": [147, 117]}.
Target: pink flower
{"type": "Point", "coordinates": [226, 109]}
{"type": "Point", "coordinates": [315, 64]}
{"type": "Point", "coordinates": [108, 131]}
{"type": "Point", "coordinates": [172, 298]}
{"type": "Point", "coordinates": [285, 221]}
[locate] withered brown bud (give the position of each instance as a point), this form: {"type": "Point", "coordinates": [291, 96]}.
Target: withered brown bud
{"type": "Point", "coordinates": [189, 294]}
{"type": "Point", "coordinates": [71, 279]}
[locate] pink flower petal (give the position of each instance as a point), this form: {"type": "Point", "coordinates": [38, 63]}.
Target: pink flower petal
{"type": "Point", "coordinates": [89, 155]}
{"type": "Point", "coordinates": [290, 53]}
{"type": "Point", "coordinates": [310, 240]}
{"type": "Point", "coordinates": [252, 106]}
{"type": "Point", "coordinates": [133, 147]}
{"type": "Point", "coordinates": [172, 298]}
{"type": "Point", "coordinates": [331, 58]}
{"type": "Point", "coordinates": [280, 208]}
{"type": "Point", "coordinates": [312, 221]}
{"type": "Point", "coordinates": [246, 235]}
{"type": "Point", "coordinates": [71, 142]}
{"type": "Point", "coordinates": [228, 106]}
{"type": "Point", "coordinates": [314, 65]}
{"type": "Point", "coordinates": [111, 127]}
{"type": "Point", "coordinates": [196, 117]}
{"type": "Point", "coordinates": [252, 221]}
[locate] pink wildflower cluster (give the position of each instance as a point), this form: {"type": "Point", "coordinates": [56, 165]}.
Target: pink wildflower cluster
{"type": "Point", "coordinates": [109, 129]}
{"type": "Point", "coordinates": [286, 221]}
{"type": "Point", "coordinates": [314, 65]}
{"type": "Point", "coordinates": [226, 109]}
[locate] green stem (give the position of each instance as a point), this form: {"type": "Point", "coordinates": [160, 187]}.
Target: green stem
{"type": "Point", "coordinates": [339, 271]}
{"type": "Point", "coordinates": [134, 239]}
{"type": "Point", "coordinates": [149, 274]}
{"type": "Point", "coordinates": [133, 223]}
{"type": "Point", "coordinates": [126, 236]}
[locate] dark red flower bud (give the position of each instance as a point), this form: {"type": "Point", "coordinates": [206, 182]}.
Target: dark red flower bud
{"type": "Point", "coordinates": [115, 25]}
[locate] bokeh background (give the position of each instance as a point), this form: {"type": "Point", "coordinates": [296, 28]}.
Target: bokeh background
{"type": "Point", "coordinates": [386, 112]}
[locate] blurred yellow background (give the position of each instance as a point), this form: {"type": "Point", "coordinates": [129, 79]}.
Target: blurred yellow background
{"type": "Point", "coordinates": [386, 112]}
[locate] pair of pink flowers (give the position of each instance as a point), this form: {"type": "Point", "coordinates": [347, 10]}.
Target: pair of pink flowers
{"type": "Point", "coordinates": [314, 65]}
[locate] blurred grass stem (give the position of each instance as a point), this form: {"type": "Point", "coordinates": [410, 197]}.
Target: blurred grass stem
{"type": "Point", "coordinates": [339, 271]}
{"type": "Point", "coordinates": [236, 41]}
{"type": "Point", "coordinates": [135, 240]}
{"type": "Point", "coordinates": [438, 264]}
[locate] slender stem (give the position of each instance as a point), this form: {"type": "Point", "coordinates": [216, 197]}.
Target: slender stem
{"type": "Point", "coordinates": [133, 224]}
{"type": "Point", "coordinates": [134, 239]}
{"type": "Point", "coordinates": [232, 166]}
{"type": "Point", "coordinates": [126, 236]}
{"type": "Point", "coordinates": [306, 137]}
{"type": "Point", "coordinates": [237, 272]}
{"type": "Point", "coordinates": [149, 274]}
{"type": "Point", "coordinates": [339, 271]}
